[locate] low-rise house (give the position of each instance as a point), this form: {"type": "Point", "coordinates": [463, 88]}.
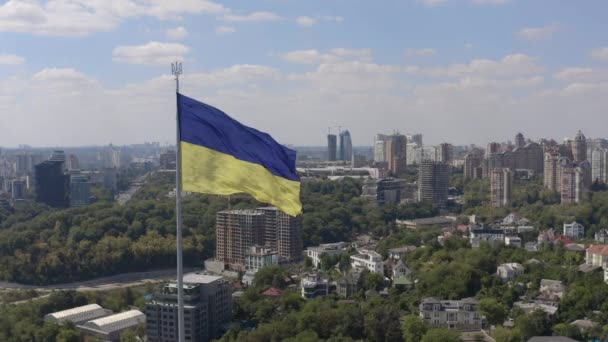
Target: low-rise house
{"type": "Point", "coordinates": [514, 219]}
{"type": "Point", "coordinates": [110, 328]}
{"type": "Point", "coordinates": [484, 233]}
{"type": "Point", "coordinates": [404, 282]}
{"type": "Point", "coordinates": [257, 257]}
{"type": "Point", "coordinates": [513, 240]}
{"type": "Point", "coordinates": [451, 314]}
{"type": "Point", "coordinates": [399, 252]}
{"type": "Point", "coordinates": [597, 255]}
{"type": "Point", "coordinates": [551, 289]}
{"type": "Point", "coordinates": [78, 315]}
{"type": "Point", "coordinates": [601, 236]}
{"type": "Point", "coordinates": [350, 284]}
{"type": "Point", "coordinates": [575, 247]}
{"type": "Point", "coordinates": [397, 268]}
{"type": "Point", "coordinates": [272, 292]}
{"type": "Point", "coordinates": [314, 286]}
{"type": "Point", "coordinates": [552, 236]}
{"type": "Point", "coordinates": [574, 230]}
{"type": "Point", "coordinates": [509, 271]}
{"type": "Point", "coordinates": [584, 325]}
{"type": "Point", "coordinates": [317, 252]}
{"type": "Point", "coordinates": [551, 339]}
{"type": "Point", "coordinates": [366, 259]}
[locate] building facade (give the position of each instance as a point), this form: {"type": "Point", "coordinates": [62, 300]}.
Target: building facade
{"type": "Point", "coordinates": [207, 306]}
{"type": "Point", "coordinates": [574, 230]}
{"type": "Point", "coordinates": [52, 185]}
{"type": "Point", "coordinates": [472, 162]}
{"type": "Point", "coordinates": [283, 233]}
{"type": "Point", "coordinates": [579, 147]}
{"type": "Point", "coordinates": [257, 257]}
{"type": "Point", "coordinates": [313, 286]}
{"type": "Point", "coordinates": [80, 190]}
{"type": "Point", "coordinates": [396, 153]}
{"type": "Point", "coordinates": [332, 147]}
{"type": "Point", "coordinates": [433, 183]}
{"type": "Point", "coordinates": [235, 232]}
{"type": "Point", "coordinates": [509, 271]}
{"type": "Point", "coordinates": [501, 184]}
{"type": "Point", "coordinates": [451, 314]}
{"type": "Point", "coordinates": [368, 260]}
{"type": "Point", "coordinates": [346, 146]}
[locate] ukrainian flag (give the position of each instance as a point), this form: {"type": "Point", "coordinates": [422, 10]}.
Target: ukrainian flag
{"type": "Point", "coordinates": [222, 156]}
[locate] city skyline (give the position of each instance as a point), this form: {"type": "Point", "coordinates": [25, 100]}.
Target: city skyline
{"type": "Point", "coordinates": [404, 65]}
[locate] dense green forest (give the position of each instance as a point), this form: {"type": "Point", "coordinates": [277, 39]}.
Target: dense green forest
{"type": "Point", "coordinates": [39, 245]}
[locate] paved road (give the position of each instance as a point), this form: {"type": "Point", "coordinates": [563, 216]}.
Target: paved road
{"type": "Point", "coordinates": [125, 196]}
{"type": "Point", "coordinates": [105, 283]}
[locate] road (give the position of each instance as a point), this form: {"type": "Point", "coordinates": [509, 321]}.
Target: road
{"type": "Point", "coordinates": [103, 284]}
{"type": "Point", "coordinates": [125, 196]}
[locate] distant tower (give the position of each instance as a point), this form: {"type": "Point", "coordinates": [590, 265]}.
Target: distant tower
{"type": "Point", "coordinates": [346, 146]}
{"type": "Point", "coordinates": [444, 153]}
{"type": "Point", "coordinates": [80, 190]}
{"type": "Point", "coordinates": [492, 147]}
{"type": "Point", "coordinates": [396, 153]}
{"type": "Point", "coordinates": [472, 162]}
{"type": "Point", "coordinates": [520, 141]}
{"type": "Point", "coordinates": [72, 162]}
{"type": "Point", "coordinates": [52, 184]}
{"type": "Point", "coordinates": [433, 182]}
{"type": "Point", "coordinates": [579, 148]}
{"type": "Point", "coordinates": [332, 147]}
{"type": "Point", "coordinates": [501, 181]}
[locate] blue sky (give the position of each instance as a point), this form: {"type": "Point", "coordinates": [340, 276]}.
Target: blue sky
{"type": "Point", "coordinates": [78, 72]}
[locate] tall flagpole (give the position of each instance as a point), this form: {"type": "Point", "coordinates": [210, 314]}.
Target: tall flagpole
{"type": "Point", "coordinates": [176, 70]}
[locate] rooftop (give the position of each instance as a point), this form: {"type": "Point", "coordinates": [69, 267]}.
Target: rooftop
{"type": "Point", "coordinates": [117, 322]}
{"type": "Point", "coordinates": [197, 278]}
{"type": "Point", "coordinates": [598, 249]}
{"type": "Point", "coordinates": [76, 311]}
{"type": "Point", "coordinates": [243, 212]}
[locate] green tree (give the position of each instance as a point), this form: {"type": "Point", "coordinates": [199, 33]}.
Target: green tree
{"type": "Point", "coordinates": [533, 324]}
{"type": "Point", "coordinates": [568, 330]}
{"type": "Point", "coordinates": [494, 311]}
{"type": "Point", "coordinates": [413, 328]}
{"type": "Point", "coordinates": [501, 334]}
{"type": "Point", "coordinates": [68, 336]}
{"type": "Point", "coordinates": [441, 335]}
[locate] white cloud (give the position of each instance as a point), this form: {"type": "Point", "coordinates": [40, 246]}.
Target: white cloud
{"type": "Point", "coordinates": [8, 59]}
{"type": "Point", "coordinates": [432, 2]}
{"type": "Point", "coordinates": [600, 53]}
{"type": "Point", "coordinates": [468, 46]}
{"type": "Point", "coordinates": [150, 54]}
{"type": "Point", "coordinates": [420, 52]}
{"type": "Point", "coordinates": [581, 74]}
{"type": "Point", "coordinates": [82, 17]}
{"type": "Point", "coordinates": [225, 29]}
{"type": "Point", "coordinates": [252, 17]}
{"type": "Point", "coordinates": [509, 66]}
{"type": "Point", "coordinates": [335, 55]}
{"type": "Point", "coordinates": [306, 21]}
{"type": "Point", "coordinates": [336, 18]}
{"type": "Point", "coordinates": [177, 33]}
{"type": "Point", "coordinates": [538, 33]}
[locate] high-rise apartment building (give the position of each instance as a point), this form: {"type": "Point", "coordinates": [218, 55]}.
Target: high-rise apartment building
{"type": "Point", "coordinates": [238, 230]}
{"type": "Point", "coordinates": [492, 161]}
{"type": "Point", "coordinates": [396, 153]}
{"type": "Point", "coordinates": [346, 146]}
{"type": "Point", "coordinates": [444, 153]}
{"type": "Point", "coordinates": [550, 171]}
{"type": "Point", "coordinates": [472, 162]}
{"type": "Point", "coordinates": [52, 184]}
{"type": "Point", "coordinates": [207, 306]}
{"type": "Point", "coordinates": [235, 232]}
{"type": "Point", "coordinates": [58, 156]}
{"type": "Point", "coordinates": [332, 147]}
{"type": "Point", "coordinates": [501, 183]}
{"type": "Point", "coordinates": [579, 147]}
{"type": "Point", "coordinates": [380, 148]}
{"type": "Point", "coordinates": [23, 164]}
{"type": "Point", "coordinates": [18, 187]}
{"type": "Point", "coordinates": [492, 147]}
{"type": "Point", "coordinates": [415, 139]}
{"type": "Point", "coordinates": [72, 162]}
{"type": "Point", "coordinates": [520, 141]}
{"type": "Point", "coordinates": [433, 182]}
{"type": "Point", "coordinates": [599, 165]}
{"type": "Point", "coordinates": [283, 234]}
{"type": "Point", "coordinates": [80, 190]}
{"type": "Point", "coordinates": [575, 182]}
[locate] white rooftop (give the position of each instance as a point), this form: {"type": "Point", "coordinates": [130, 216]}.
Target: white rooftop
{"type": "Point", "coordinates": [78, 314]}
{"type": "Point", "coordinates": [196, 278]}
{"type": "Point", "coordinates": [117, 322]}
